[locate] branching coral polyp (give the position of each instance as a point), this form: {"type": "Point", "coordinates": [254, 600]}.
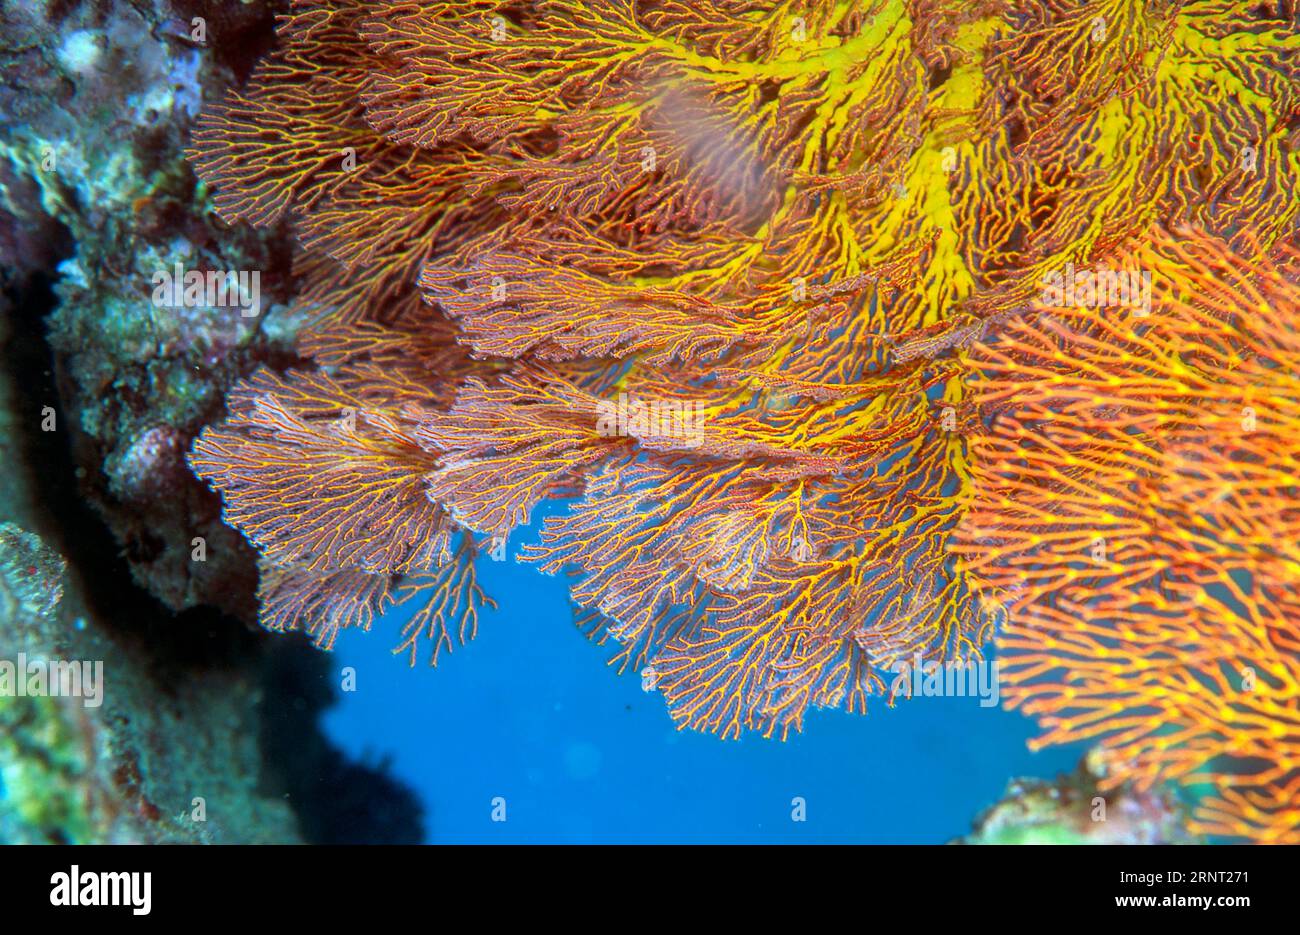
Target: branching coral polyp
{"type": "Point", "coordinates": [795, 217]}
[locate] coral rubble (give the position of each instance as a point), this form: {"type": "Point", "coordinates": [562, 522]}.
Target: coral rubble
{"type": "Point", "coordinates": [1074, 809]}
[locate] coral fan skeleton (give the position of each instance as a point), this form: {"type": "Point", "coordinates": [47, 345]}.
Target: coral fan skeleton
{"type": "Point", "coordinates": [812, 226]}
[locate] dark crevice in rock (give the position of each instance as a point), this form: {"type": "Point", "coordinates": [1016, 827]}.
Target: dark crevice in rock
{"type": "Point", "coordinates": [128, 547]}
{"type": "Point", "coordinates": [200, 637]}
{"type": "Point", "coordinates": [337, 800]}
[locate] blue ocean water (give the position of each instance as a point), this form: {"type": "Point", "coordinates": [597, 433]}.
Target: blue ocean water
{"type": "Point", "coordinates": [529, 713]}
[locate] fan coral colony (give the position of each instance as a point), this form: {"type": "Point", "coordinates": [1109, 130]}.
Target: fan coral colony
{"type": "Point", "coordinates": [855, 334]}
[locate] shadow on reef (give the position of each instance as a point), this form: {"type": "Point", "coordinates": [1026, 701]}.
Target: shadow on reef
{"type": "Point", "coordinates": [202, 636]}
{"type": "Point", "coordinates": [200, 714]}
{"type": "Point", "coordinates": [338, 801]}
{"type": "Point", "coordinates": [187, 657]}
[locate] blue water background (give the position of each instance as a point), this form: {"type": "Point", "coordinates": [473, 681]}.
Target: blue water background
{"type": "Point", "coordinates": [529, 712]}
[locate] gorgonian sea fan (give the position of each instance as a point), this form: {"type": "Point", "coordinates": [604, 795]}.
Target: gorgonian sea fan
{"type": "Point", "coordinates": [789, 219]}
{"type": "Point", "coordinates": [1137, 506]}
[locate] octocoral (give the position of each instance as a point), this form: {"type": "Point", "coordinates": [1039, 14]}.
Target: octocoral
{"type": "Point", "coordinates": [791, 220]}
{"type": "Point", "coordinates": [1137, 507]}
